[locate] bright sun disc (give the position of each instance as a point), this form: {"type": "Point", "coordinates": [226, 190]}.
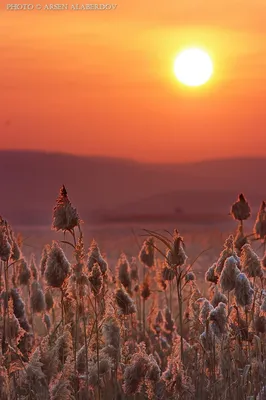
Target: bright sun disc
{"type": "Point", "coordinates": [193, 67]}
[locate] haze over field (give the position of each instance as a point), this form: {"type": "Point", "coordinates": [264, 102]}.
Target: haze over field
{"type": "Point", "coordinates": [118, 188]}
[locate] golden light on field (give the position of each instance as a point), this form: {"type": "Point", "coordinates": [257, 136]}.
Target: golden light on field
{"type": "Point", "coordinates": [193, 67]}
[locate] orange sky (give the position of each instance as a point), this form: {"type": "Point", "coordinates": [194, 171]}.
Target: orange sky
{"type": "Point", "coordinates": [101, 82]}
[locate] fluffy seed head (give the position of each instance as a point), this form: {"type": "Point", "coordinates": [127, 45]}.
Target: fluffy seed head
{"type": "Point", "coordinates": [218, 320]}
{"type": "Point", "coordinates": [94, 256]}
{"type": "Point", "coordinates": [240, 239]}
{"type": "Point", "coordinates": [24, 274]}
{"type": "Point", "coordinates": [250, 262]}
{"type": "Point", "coordinates": [37, 299]}
{"type": "Point", "coordinates": [145, 288]}
{"type": "Point", "coordinates": [229, 274]}
{"type": "Point", "coordinates": [190, 276]}
{"type": "Point", "coordinates": [44, 259]}
{"type": "Point", "coordinates": [147, 252]}
{"type": "Point", "coordinates": [49, 300]}
{"type": "Point", "coordinates": [123, 271]}
{"type": "Point", "coordinates": [260, 224]}
{"type": "Point", "coordinates": [243, 291]}
{"type": "Point", "coordinates": [210, 275]}
{"type": "Point", "coordinates": [111, 332]}
{"type": "Point", "coordinates": [5, 246]}
{"type": "Point", "coordinates": [96, 280]}
{"type": "Point", "coordinates": [65, 216]}
{"type": "Point", "coordinates": [206, 308]}
{"type": "Point", "coordinates": [134, 270]}
{"type": "Point", "coordinates": [218, 297]}
{"type": "Point", "coordinates": [125, 303]}
{"type": "Point", "coordinates": [57, 268]}
{"type": "Point", "coordinates": [177, 256]}
{"type": "Point", "coordinates": [240, 209]}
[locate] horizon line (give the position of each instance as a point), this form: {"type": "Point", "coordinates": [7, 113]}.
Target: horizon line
{"type": "Point", "coordinates": [132, 160]}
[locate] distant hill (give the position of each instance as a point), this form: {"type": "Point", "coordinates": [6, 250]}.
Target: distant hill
{"type": "Point", "coordinates": [97, 186]}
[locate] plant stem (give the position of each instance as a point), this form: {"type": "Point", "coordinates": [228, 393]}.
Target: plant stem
{"type": "Point", "coordinates": [97, 349]}
{"type": "Point", "coordinates": [86, 346]}
{"type": "Point", "coordinates": [180, 305]}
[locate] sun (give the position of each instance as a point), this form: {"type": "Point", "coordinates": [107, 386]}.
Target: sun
{"type": "Point", "coordinates": [193, 67]}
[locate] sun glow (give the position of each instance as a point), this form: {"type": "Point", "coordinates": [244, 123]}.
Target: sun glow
{"type": "Point", "coordinates": [193, 67]}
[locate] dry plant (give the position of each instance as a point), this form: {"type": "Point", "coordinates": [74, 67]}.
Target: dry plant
{"type": "Point", "coordinates": [73, 328]}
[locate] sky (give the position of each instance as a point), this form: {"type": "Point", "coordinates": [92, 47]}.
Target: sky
{"type": "Point", "coordinates": [102, 82]}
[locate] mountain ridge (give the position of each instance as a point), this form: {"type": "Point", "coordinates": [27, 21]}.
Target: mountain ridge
{"type": "Point", "coordinates": [104, 185]}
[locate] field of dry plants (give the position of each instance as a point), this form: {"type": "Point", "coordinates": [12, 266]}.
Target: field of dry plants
{"type": "Point", "coordinates": [73, 328]}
